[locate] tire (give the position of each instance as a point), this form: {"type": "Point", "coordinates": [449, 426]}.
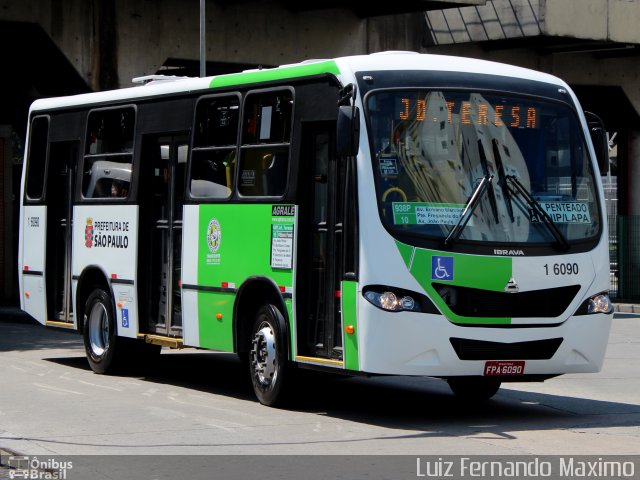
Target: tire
{"type": "Point", "coordinates": [474, 389]}
{"type": "Point", "coordinates": [100, 338]}
{"type": "Point", "coordinates": [268, 365]}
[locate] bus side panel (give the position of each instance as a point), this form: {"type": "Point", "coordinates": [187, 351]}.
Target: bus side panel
{"type": "Point", "coordinates": [106, 237]}
{"type": "Point", "coordinates": [190, 328]}
{"type": "Point", "coordinates": [34, 294]}
{"type": "Point", "coordinates": [236, 242]}
{"type": "Point", "coordinates": [216, 320]}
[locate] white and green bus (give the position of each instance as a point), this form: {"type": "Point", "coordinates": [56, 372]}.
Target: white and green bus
{"type": "Point", "coordinates": [394, 213]}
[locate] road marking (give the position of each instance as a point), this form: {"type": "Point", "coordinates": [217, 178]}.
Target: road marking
{"type": "Point", "coordinates": [57, 389]}
{"type": "Point", "coordinates": [100, 386]}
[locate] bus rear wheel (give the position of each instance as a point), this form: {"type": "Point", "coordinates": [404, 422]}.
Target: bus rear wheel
{"type": "Point", "coordinates": [100, 331]}
{"type": "Point", "coordinates": [474, 388]}
{"type": "Point", "coordinates": [268, 356]}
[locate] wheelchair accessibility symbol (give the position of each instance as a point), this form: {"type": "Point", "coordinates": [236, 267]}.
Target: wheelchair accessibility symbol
{"type": "Point", "coordinates": [442, 268]}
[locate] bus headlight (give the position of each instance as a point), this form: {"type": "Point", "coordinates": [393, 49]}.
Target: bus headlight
{"type": "Point", "coordinates": [600, 304]}
{"type": "Point", "coordinates": [398, 300]}
{"type": "Point", "coordinates": [389, 301]}
{"type": "Point", "coordinates": [385, 300]}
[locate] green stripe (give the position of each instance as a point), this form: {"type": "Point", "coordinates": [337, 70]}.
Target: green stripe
{"type": "Point", "coordinates": [473, 271]}
{"type": "Point", "coordinates": [288, 303]}
{"type": "Point", "coordinates": [271, 74]}
{"type": "Point", "coordinates": [406, 251]}
{"type": "Point", "coordinates": [349, 298]}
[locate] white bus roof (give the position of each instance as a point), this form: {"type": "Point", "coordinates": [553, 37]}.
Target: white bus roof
{"type": "Point", "coordinates": [343, 67]}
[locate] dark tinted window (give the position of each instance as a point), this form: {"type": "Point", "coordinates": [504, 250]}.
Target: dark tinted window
{"type": "Point", "coordinates": [213, 159]}
{"type": "Point", "coordinates": [38, 140]}
{"type": "Point", "coordinates": [108, 153]}
{"type": "Point", "coordinates": [264, 156]}
{"type": "Point", "coordinates": [217, 122]}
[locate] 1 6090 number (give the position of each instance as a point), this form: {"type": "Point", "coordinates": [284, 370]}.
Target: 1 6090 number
{"type": "Point", "coordinates": [561, 269]}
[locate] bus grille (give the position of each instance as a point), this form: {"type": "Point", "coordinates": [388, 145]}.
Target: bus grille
{"type": "Point", "coordinates": [483, 350]}
{"type": "Point", "coordinates": [473, 302]}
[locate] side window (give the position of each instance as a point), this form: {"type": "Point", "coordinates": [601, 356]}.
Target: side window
{"type": "Point", "coordinates": [36, 163]}
{"type": "Point", "coordinates": [108, 154]}
{"type": "Point", "coordinates": [213, 157]}
{"type": "Point", "coordinates": [266, 134]}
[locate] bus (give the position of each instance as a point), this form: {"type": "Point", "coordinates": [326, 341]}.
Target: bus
{"type": "Point", "coordinates": [395, 213]}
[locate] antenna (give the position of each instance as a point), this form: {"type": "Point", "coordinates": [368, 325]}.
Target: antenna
{"type": "Point", "coordinates": [203, 63]}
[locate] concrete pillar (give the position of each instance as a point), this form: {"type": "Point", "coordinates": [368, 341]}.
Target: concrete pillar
{"type": "Point", "coordinates": [7, 207]}
{"type": "Point", "coordinates": [586, 19]}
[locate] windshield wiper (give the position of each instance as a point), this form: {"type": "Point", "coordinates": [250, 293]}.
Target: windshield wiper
{"type": "Point", "coordinates": [472, 203]}
{"type": "Point", "coordinates": [485, 170]}
{"type": "Point", "coordinates": [502, 179]}
{"type": "Point", "coordinates": [537, 208]}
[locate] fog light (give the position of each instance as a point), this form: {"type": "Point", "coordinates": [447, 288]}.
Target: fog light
{"type": "Point", "coordinates": [408, 303]}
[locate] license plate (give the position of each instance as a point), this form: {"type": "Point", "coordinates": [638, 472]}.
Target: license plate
{"type": "Point", "coordinates": [503, 368]}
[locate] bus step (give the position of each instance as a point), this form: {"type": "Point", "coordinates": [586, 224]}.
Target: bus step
{"type": "Point", "coordinates": [171, 342]}
{"type": "Point", "coordinates": [320, 361]}
{"type": "Point", "coordinates": [57, 323]}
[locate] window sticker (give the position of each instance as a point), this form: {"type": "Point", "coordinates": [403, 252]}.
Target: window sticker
{"type": "Point", "coordinates": [414, 213]}
{"type": "Point", "coordinates": [265, 123]}
{"type": "Point", "coordinates": [563, 212]}
{"type": "Point", "coordinates": [388, 166]}
{"type": "Point", "coordinates": [282, 246]}
{"type": "Point", "coordinates": [248, 178]}
{"type": "Point", "coordinates": [442, 268]}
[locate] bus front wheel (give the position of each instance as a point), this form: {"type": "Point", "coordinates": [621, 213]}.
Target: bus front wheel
{"type": "Point", "coordinates": [100, 331]}
{"type": "Point", "coordinates": [268, 356]}
{"type": "Point", "coordinates": [474, 388]}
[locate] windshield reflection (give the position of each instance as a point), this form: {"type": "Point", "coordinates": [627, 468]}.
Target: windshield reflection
{"type": "Point", "coordinates": [433, 148]}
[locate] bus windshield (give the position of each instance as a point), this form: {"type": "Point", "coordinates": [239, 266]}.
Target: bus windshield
{"type": "Point", "coordinates": [461, 166]}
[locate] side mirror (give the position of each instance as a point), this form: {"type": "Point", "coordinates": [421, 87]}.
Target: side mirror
{"type": "Point", "coordinates": [348, 131]}
{"type": "Point", "coordinates": [599, 139]}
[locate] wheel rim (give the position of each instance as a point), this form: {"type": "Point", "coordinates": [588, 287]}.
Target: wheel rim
{"type": "Point", "coordinates": [264, 360]}
{"type": "Point", "coordinates": [98, 329]}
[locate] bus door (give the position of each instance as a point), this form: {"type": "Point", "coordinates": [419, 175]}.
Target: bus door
{"type": "Point", "coordinates": [320, 245]}
{"type": "Point", "coordinates": [162, 180]}
{"type": "Point", "coordinates": [59, 200]}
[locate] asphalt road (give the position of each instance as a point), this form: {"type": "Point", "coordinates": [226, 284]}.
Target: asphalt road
{"type": "Point", "coordinates": [200, 403]}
